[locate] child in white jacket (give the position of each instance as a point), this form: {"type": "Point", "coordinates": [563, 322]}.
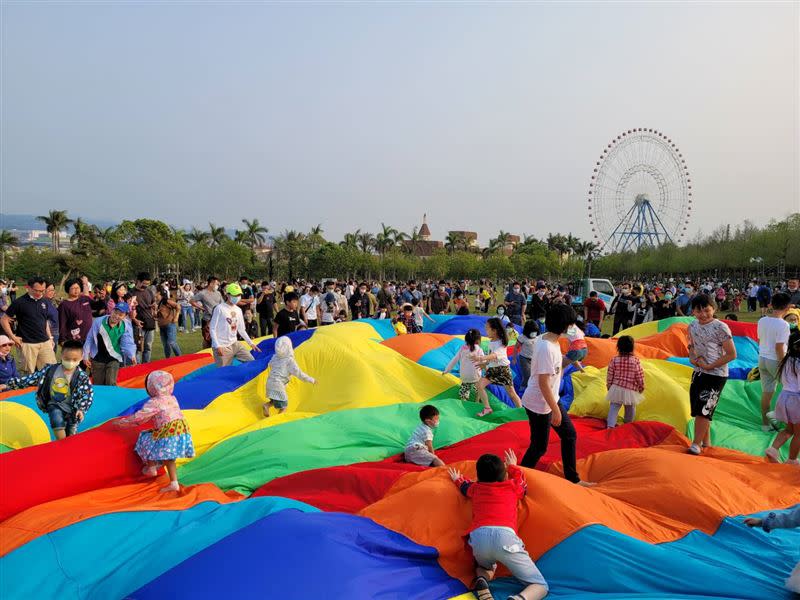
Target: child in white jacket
{"type": "Point", "coordinates": [281, 369]}
{"type": "Point", "coordinates": [469, 373]}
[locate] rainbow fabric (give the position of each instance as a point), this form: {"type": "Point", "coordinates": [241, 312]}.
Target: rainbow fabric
{"type": "Point", "coordinates": [318, 503]}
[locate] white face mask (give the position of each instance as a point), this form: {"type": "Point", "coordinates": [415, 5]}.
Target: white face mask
{"type": "Point", "coordinates": [69, 365]}
{"type": "Point", "coordinates": [540, 293]}
{"type": "Point", "coordinates": [3, 291]}
{"type": "Point", "coordinates": [516, 290]}
{"type": "Point", "coordinates": [234, 299]}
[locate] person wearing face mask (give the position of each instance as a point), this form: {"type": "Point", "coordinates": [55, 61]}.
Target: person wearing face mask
{"type": "Point", "coordinates": [792, 317]}
{"type": "Point", "coordinates": [359, 302]}
{"type": "Point", "coordinates": [144, 320]}
{"type": "Point", "coordinates": [642, 311]}
{"type": "Point", "coordinates": [665, 307]}
{"type": "Point", "coordinates": [8, 366]}
{"type": "Point", "coordinates": [623, 307]}
{"type": "Point", "coordinates": [537, 307]}
{"type": "Point", "coordinates": [64, 391]}
{"type": "Point", "coordinates": [35, 336]}
{"type": "Point", "coordinates": [439, 302]}
{"type": "Point", "coordinates": [207, 300]}
{"type": "Point", "coordinates": [110, 345]}
{"type": "Point", "coordinates": [793, 289]}
{"type": "Point", "coordinates": [227, 322]}
{"type": "Point", "coordinates": [684, 300]}
{"type": "Point", "coordinates": [516, 303]}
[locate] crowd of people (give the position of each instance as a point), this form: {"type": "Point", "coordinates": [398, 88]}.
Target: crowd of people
{"type": "Point", "coordinates": [110, 325]}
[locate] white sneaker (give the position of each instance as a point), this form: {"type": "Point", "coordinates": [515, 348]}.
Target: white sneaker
{"type": "Point", "coordinates": [792, 461]}
{"type": "Point", "coordinates": [772, 454]}
{"type": "Point", "coordinates": [767, 428]}
{"type": "Point", "coordinates": [695, 449]}
{"type": "Point", "coordinates": [771, 416]}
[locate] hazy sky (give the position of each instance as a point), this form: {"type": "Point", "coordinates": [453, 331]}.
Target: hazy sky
{"type": "Point", "coordinates": [483, 115]}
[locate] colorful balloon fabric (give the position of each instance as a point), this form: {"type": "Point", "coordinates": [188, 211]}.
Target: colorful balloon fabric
{"type": "Point", "coordinates": [318, 502]}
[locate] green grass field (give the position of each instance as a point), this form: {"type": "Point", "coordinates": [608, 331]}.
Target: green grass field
{"type": "Point", "coordinates": [193, 342]}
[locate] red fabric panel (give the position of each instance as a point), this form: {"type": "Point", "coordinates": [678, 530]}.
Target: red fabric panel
{"type": "Point", "coordinates": [744, 329]}
{"type": "Point", "coordinates": [141, 371]}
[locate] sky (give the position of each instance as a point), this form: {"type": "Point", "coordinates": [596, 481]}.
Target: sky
{"type": "Point", "coordinates": [485, 116]}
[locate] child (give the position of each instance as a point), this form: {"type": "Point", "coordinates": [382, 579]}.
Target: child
{"type": "Point", "coordinates": [250, 325]}
{"type": "Point", "coordinates": [399, 327]}
{"type": "Point", "coordinates": [710, 350]}
{"type": "Point", "coordinates": [8, 367]}
{"type": "Point", "coordinates": [383, 312]}
{"type": "Point", "coordinates": [787, 408]}
{"type": "Point", "coordinates": [578, 348]}
{"type": "Point", "coordinates": [511, 333]}
{"type": "Point", "coordinates": [493, 532]}
{"type": "Point", "coordinates": [783, 520]}
{"type": "Point", "coordinates": [64, 391]}
{"type": "Point", "coordinates": [501, 316]}
{"type": "Point", "coordinates": [624, 382]}
{"type": "Point", "coordinates": [525, 342]}
{"type": "Point", "coordinates": [419, 448]}
{"type": "Point", "coordinates": [498, 366]}
{"type": "Point", "coordinates": [281, 368]}
{"type": "Point", "coordinates": [420, 314]}
{"type": "Point", "coordinates": [541, 396]}
{"type": "Point", "coordinates": [170, 437]}
{"type": "Point", "coordinates": [407, 318]}
{"type": "Point", "coordinates": [792, 317]}
{"type": "Point", "coordinates": [773, 333]}
{"type": "Point", "coordinates": [466, 356]}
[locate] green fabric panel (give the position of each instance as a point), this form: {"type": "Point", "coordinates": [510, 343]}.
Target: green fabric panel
{"type": "Point", "coordinates": [246, 462]}
{"type": "Point", "coordinates": [664, 324]}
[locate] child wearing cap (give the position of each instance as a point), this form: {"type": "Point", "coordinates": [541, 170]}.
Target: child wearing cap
{"type": "Point", "coordinates": [109, 345]}
{"type": "Point", "coordinates": [8, 366]}
{"type": "Point", "coordinates": [227, 322]}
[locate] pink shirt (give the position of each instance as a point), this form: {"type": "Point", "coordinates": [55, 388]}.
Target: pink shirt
{"type": "Point", "coordinates": [161, 410]}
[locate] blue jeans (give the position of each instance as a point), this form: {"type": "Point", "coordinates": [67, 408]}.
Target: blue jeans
{"type": "Point", "coordinates": [187, 312]}
{"type": "Point", "coordinates": [61, 420]}
{"type": "Point", "coordinates": [169, 339]}
{"type": "Point", "coordinates": [147, 336]}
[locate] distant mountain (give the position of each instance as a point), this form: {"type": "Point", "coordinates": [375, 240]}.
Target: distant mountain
{"type": "Point", "coordinates": [26, 222]}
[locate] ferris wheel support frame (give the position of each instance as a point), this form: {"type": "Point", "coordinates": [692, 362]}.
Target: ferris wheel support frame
{"type": "Point", "coordinates": [640, 226]}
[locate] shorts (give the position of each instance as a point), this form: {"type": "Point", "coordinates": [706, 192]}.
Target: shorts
{"type": "Point", "coordinates": [491, 545]}
{"type": "Point", "coordinates": [61, 420]}
{"type": "Point", "coordinates": [787, 409]}
{"type": "Point", "coordinates": [577, 355]}
{"type": "Point", "coordinates": [768, 372]}
{"type": "Point", "coordinates": [467, 389]}
{"type": "Point", "coordinates": [500, 376]}
{"type": "Point", "coordinates": [419, 455]}
{"type": "Point", "coordinates": [704, 394]}
{"type": "Point", "coordinates": [279, 404]}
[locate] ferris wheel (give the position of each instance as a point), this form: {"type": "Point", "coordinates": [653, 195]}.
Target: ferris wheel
{"type": "Point", "coordinates": [640, 193]}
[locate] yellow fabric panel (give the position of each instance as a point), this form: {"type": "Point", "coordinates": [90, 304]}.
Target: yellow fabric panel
{"type": "Point", "coordinates": [640, 331]}
{"type": "Point", "coordinates": [20, 426]}
{"type": "Point", "coordinates": [666, 394]}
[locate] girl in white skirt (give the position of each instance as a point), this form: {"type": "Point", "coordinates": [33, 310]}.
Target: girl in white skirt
{"type": "Point", "coordinates": [787, 408]}
{"type": "Point", "coordinates": [625, 382]}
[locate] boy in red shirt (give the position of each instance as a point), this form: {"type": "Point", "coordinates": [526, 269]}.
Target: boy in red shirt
{"type": "Point", "coordinates": [493, 533]}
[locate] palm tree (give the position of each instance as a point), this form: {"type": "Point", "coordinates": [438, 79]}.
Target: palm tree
{"type": "Point", "coordinates": [571, 243]}
{"type": "Point", "coordinates": [454, 241]}
{"type": "Point", "coordinates": [108, 235]}
{"type": "Point", "coordinates": [196, 236]}
{"type": "Point", "coordinates": [216, 235]}
{"type": "Point", "coordinates": [241, 238]}
{"type": "Point", "coordinates": [493, 247]}
{"type": "Point", "coordinates": [317, 230]}
{"type": "Point", "coordinates": [7, 240]}
{"type": "Point", "coordinates": [414, 238]}
{"type": "Point", "coordinates": [82, 232]}
{"type": "Point", "coordinates": [350, 240]}
{"type": "Point", "coordinates": [290, 245]}
{"type": "Point", "coordinates": [255, 233]}
{"type": "Point", "coordinates": [55, 221]}
{"type": "Point", "coordinates": [365, 242]}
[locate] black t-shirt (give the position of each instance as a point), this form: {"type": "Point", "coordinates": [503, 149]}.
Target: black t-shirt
{"type": "Point", "coordinates": [31, 318]}
{"type": "Point", "coordinates": [102, 355]}
{"type": "Point", "coordinates": [439, 301]}
{"type": "Point", "coordinates": [287, 321]}
{"type": "Point", "coordinates": [663, 311]}
{"type": "Point", "coordinates": [145, 307]}
{"type": "Point", "coordinates": [266, 307]}
{"type": "Point", "coordinates": [537, 307]}
{"type": "Point", "coordinates": [98, 307]}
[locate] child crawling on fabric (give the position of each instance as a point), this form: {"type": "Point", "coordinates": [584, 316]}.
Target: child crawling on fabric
{"type": "Point", "coordinates": [493, 533]}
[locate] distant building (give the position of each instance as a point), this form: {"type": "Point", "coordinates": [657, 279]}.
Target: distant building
{"type": "Point", "coordinates": [424, 246]}
{"type": "Point", "coordinates": [471, 237]}
{"type": "Point", "coordinates": [38, 237]}
{"type": "Point", "coordinates": [513, 240]}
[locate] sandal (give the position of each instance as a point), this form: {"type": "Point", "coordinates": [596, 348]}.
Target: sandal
{"type": "Point", "coordinates": [516, 597]}
{"type": "Point", "coordinates": [481, 589]}
{"type": "Point", "coordinates": [484, 412]}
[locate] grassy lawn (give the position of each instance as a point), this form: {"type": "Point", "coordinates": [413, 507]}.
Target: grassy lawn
{"type": "Point", "coordinates": [193, 342]}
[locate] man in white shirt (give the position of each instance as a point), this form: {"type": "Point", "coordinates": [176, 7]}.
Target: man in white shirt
{"type": "Point", "coordinates": [309, 305]}
{"type": "Point", "coordinates": [227, 322]}
{"type": "Point", "coordinates": [329, 305]}
{"type": "Point", "coordinates": [773, 336]}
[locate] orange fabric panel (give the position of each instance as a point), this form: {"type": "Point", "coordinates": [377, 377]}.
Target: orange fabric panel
{"type": "Point", "coordinates": [655, 494]}
{"type": "Point", "coordinates": [414, 346]}
{"type": "Point", "coordinates": [674, 341]}
{"type": "Point", "coordinates": [601, 351]}
{"type": "Point", "coordinates": [178, 371]}
{"type": "Point", "coordinates": [49, 516]}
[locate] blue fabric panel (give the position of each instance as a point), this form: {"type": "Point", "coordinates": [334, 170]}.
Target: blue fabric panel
{"type": "Point", "coordinates": [302, 556]}
{"type": "Point", "coordinates": [438, 358]}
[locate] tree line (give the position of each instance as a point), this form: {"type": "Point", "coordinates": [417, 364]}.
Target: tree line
{"type": "Point", "coordinates": [151, 245]}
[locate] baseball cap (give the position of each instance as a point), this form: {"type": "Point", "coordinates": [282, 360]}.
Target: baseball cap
{"type": "Point", "coordinates": [233, 289]}
{"type": "Point", "coordinates": [4, 340]}
{"type": "Point", "coordinates": [122, 307]}
{"type": "Point", "coordinates": [288, 288]}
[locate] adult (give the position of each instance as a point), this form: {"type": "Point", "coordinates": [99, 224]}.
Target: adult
{"type": "Point", "coordinates": [265, 307]}
{"type": "Point", "coordinates": [594, 309]}
{"type": "Point", "coordinates": [622, 307]}
{"type": "Point", "coordinates": [185, 295]}
{"type": "Point", "coordinates": [764, 296]}
{"type": "Point", "coordinates": [684, 301]}
{"type": "Point", "coordinates": [110, 345]}
{"type": "Point", "coordinates": [793, 289]}
{"type": "Point", "coordinates": [752, 296]}
{"type": "Point", "coordinates": [537, 307]}
{"type": "Point", "coordinates": [248, 295]}
{"type": "Point", "coordinates": [515, 302]}
{"type": "Point", "coordinates": [207, 300]}
{"type": "Point", "coordinates": [359, 302]}
{"type": "Point", "coordinates": [74, 312]}
{"type": "Point", "coordinates": [8, 366]}
{"type": "Point", "coordinates": [329, 306]}
{"type": "Point", "coordinates": [52, 312]}
{"type": "Point", "coordinates": [411, 292]}
{"type": "Point", "coordinates": [385, 297]}
{"type": "Point", "coordinates": [439, 301]}
{"type": "Point", "coordinates": [773, 338]}
{"type": "Point", "coordinates": [167, 319]}
{"type": "Point", "coordinates": [99, 301]}
{"type": "Point", "coordinates": [144, 322]}
{"type": "Point", "coordinates": [227, 324]}
{"type": "Point", "coordinates": [642, 310]}
{"type": "Point", "coordinates": [35, 337]}
{"type": "Point", "coordinates": [4, 300]}
{"type": "Point", "coordinates": [309, 307]}
{"type": "Point", "coordinates": [119, 293]}
{"type": "Point", "coordinates": [665, 307]}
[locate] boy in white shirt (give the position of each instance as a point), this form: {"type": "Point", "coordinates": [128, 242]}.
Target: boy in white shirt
{"type": "Point", "coordinates": [773, 335]}
{"type": "Point", "coordinates": [419, 448]}
{"type": "Point", "coordinates": [227, 322]}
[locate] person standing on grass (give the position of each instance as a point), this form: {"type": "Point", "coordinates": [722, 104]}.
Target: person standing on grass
{"type": "Point", "coordinates": [109, 345]}
{"type": "Point", "coordinates": [773, 335]}
{"type": "Point", "coordinates": [711, 348]}
{"type": "Point", "coordinates": [185, 295]}
{"type": "Point", "coordinates": [167, 318]}
{"type": "Point", "coordinates": [35, 337]}
{"type": "Point", "coordinates": [144, 323]}
{"type": "Point", "coordinates": [793, 289]}
{"type": "Point", "coordinates": [594, 309]}
{"type": "Point", "coordinates": [265, 307]}
{"type": "Point", "coordinates": [207, 300]}
{"type": "Point", "coordinates": [75, 312]}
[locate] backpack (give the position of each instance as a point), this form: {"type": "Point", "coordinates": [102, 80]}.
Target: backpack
{"type": "Point", "coordinates": [43, 391]}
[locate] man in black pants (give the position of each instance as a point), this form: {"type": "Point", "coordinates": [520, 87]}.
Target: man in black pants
{"type": "Point", "coordinates": [265, 307]}
{"type": "Point", "coordinates": [622, 307]}
{"type": "Point", "coordinates": [541, 396]}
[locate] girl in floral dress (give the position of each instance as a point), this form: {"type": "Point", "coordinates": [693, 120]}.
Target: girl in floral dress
{"type": "Point", "coordinates": [169, 438]}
